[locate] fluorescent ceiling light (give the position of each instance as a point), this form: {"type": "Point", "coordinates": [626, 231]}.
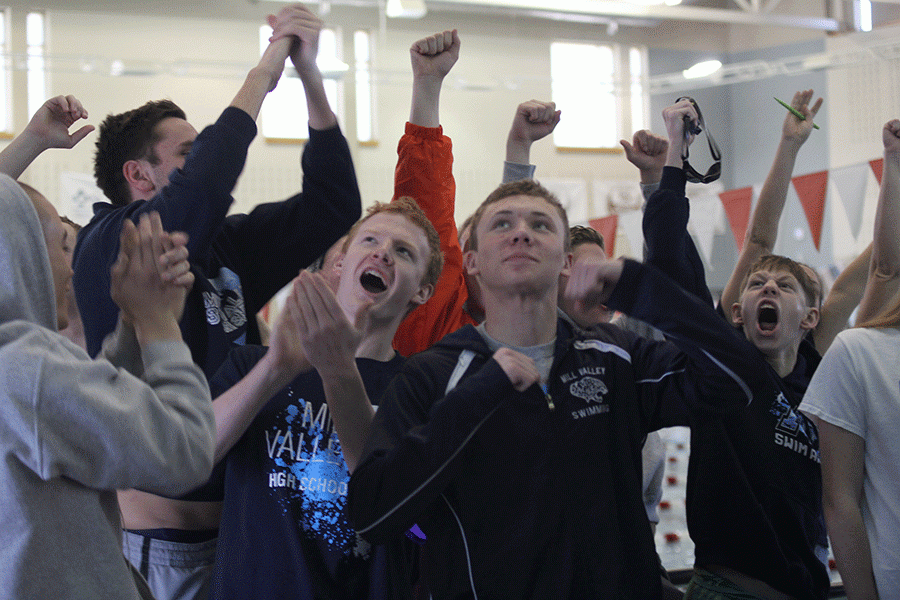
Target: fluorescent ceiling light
{"type": "Point", "coordinates": [702, 69]}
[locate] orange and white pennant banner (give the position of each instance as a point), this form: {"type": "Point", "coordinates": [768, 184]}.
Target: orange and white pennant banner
{"type": "Point", "coordinates": [737, 205]}
{"type": "Point", "coordinates": [811, 189]}
{"type": "Point", "coordinates": [607, 227]}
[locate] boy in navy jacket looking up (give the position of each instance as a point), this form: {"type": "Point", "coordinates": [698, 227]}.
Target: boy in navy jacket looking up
{"type": "Point", "coordinates": [522, 437]}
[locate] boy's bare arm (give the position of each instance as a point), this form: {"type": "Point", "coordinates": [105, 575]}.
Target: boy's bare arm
{"type": "Point", "coordinates": [432, 58]}
{"type": "Point", "coordinates": [262, 78]}
{"type": "Point", "coordinates": [285, 359]}
{"type": "Point", "coordinates": [884, 272]}
{"type": "Point", "coordinates": [843, 297]}
{"type": "Point", "coordinates": [330, 342]}
{"type": "Point", "coordinates": [48, 128]}
{"type": "Point", "coordinates": [534, 120]}
{"type": "Point", "coordinates": [763, 231]}
{"type": "Point", "coordinates": [843, 468]}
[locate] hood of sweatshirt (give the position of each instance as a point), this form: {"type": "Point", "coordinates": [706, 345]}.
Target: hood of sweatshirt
{"type": "Point", "coordinates": [26, 282]}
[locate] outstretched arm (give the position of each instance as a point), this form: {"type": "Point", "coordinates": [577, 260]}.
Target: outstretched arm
{"type": "Point", "coordinates": [873, 278]}
{"type": "Point", "coordinates": [263, 78]}
{"type": "Point", "coordinates": [843, 297]}
{"type": "Point", "coordinates": [884, 272]}
{"type": "Point", "coordinates": [534, 120]}
{"type": "Point", "coordinates": [763, 231]}
{"type": "Point", "coordinates": [425, 173]}
{"type": "Point", "coordinates": [304, 226]}
{"type": "Point", "coordinates": [284, 360]}
{"type": "Point", "coordinates": [432, 58]}
{"type": "Point", "coordinates": [48, 128]}
{"type": "Point", "coordinates": [647, 151]}
{"type": "Point", "coordinates": [303, 27]}
{"type": "Point", "coordinates": [843, 467]}
{"type": "Point", "coordinates": [669, 247]}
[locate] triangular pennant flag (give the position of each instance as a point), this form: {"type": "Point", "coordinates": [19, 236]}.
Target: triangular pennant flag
{"type": "Point", "coordinates": [877, 168]}
{"type": "Point", "coordinates": [737, 208]}
{"type": "Point", "coordinates": [851, 186]}
{"type": "Point", "coordinates": [607, 226]}
{"type": "Point", "coordinates": [811, 191]}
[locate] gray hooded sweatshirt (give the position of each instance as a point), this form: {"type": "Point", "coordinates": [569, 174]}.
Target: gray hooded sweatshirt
{"type": "Point", "coordinates": [73, 430]}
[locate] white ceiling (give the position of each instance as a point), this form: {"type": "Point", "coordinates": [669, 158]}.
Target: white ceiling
{"type": "Point", "coordinates": [735, 12]}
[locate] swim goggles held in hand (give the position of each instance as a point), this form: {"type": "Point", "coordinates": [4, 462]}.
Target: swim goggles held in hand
{"type": "Point", "coordinates": [695, 128]}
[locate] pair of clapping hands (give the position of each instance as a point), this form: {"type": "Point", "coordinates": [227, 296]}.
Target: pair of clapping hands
{"type": "Point", "coordinates": [151, 278]}
{"type": "Point", "coordinates": [313, 331]}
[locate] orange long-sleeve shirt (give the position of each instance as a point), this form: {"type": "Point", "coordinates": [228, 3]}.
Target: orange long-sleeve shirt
{"type": "Point", "coordinates": [425, 173]}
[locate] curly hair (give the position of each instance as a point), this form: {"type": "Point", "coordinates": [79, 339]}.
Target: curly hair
{"type": "Point", "coordinates": [128, 136]}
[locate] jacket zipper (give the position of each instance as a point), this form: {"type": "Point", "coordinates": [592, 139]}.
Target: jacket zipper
{"type": "Point", "coordinates": [550, 404]}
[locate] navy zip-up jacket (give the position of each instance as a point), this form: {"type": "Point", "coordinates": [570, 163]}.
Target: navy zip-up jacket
{"type": "Point", "coordinates": [754, 489]}
{"type": "Point", "coordinates": [519, 500]}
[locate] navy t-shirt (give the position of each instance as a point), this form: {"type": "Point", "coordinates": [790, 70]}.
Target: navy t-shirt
{"type": "Point", "coordinates": [284, 531]}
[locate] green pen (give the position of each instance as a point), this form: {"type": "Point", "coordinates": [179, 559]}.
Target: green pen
{"type": "Point", "coordinates": [794, 111]}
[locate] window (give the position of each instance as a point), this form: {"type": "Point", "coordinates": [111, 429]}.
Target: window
{"type": "Point", "coordinates": [601, 91]}
{"type": "Point", "coordinates": [362, 49]}
{"type": "Point", "coordinates": [865, 15]}
{"type": "Point", "coordinates": [637, 71]}
{"type": "Point", "coordinates": [284, 112]}
{"type": "Point", "coordinates": [36, 69]}
{"type": "Point", "coordinates": [5, 118]}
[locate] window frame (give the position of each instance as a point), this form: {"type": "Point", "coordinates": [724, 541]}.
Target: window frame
{"type": "Point", "coordinates": [578, 129]}
{"type": "Point", "coordinates": [281, 107]}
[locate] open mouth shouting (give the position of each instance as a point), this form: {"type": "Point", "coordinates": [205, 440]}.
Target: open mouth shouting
{"type": "Point", "coordinates": [372, 281]}
{"type": "Point", "coordinates": [767, 316]}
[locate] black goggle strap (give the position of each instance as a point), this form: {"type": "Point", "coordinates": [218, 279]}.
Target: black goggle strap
{"type": "Point", "coordinates": [715, 169]}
